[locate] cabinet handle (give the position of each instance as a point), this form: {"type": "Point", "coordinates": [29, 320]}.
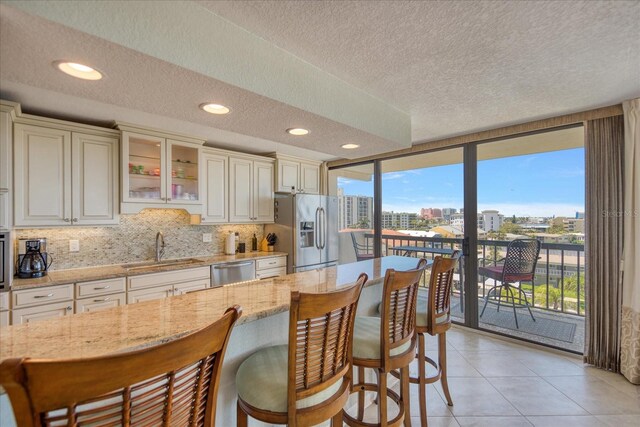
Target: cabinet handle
{"type": "Point", "coordinates": [43, 296]}
{"type": "Point", "coordinates": [74, 219]}
{"type": "Point", "coordinates": [102, 300]}
{"type": "Point", "coordinates": [168, 199]}
{"type": "Point", "coordinates": [66, 220]}
{"type": "Point", "coordinates": [162, 198]}
{"type": "Point", "coordinates": [101, 287]}
{"type": "Point", "coordinates": [69, 308]}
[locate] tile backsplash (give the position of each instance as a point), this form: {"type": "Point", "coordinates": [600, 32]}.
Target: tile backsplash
{"type": "Point", "coordinates": [134, 239]}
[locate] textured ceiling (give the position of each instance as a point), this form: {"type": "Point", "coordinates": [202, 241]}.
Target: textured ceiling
{"type": "Point", "coordinates": [462, 66]}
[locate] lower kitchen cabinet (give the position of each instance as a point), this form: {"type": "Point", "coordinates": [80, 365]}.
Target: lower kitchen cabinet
{"type": "Point", "coordinates": [4, 318]}
{"type": "Point", "coordinates": [101, 302]}
{"type": "Point", "coordinates": [149, 294]}
{"type": "Point", "coordinates": [271, 267]}
{"type": "Point", "coordinates": [41, 312]}
{"type": "Point", "coordinates": [185, 288]}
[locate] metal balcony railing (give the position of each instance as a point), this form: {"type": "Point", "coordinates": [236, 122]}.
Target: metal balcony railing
{"type": "Point", "coordinates": [559, 282]}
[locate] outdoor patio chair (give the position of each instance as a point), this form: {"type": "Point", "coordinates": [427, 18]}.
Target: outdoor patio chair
{"type": "Point", "coordinates": [519, 265]}
{"type": "Point", "coordinates": [360, 249]}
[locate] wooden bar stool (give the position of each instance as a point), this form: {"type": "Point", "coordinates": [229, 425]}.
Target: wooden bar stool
{"type": "Point", "coordinates": [435, 319]}
{"type": "Point", "coordinates": [388, 343]}
{"type": "Point", "coordinates": [307, 381]}
{"type": "Point", "coordinates": [172, 384]}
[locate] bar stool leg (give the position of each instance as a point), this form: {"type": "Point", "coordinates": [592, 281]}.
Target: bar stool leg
{"type": "Point", "coordinates": [336, 421]}
{"type": "Point", "coordinates": [361, 394]}
{"type": "Point", "coordinates": [442, 366]}
{"type": "Point", "coordinates": [382, 398]}
{"type": "Point", "coordinates": [242, 418]}
{"type": "Point", "coordinates": [422, 384]}
{"type": "Point", "coordinates": [405, 396]}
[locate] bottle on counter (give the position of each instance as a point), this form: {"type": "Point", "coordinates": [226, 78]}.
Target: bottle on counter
{"type": "Point", "coordinates": [254, 243]}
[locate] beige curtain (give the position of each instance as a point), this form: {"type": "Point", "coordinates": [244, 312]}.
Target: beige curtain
{"type": "Point", "coordinates": [630, 328]}
{"type": "Point", "coordinates": [604, 236]}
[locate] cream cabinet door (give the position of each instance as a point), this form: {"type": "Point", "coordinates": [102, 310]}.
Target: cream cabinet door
{"type": "Point", "coordinates": [6, 141]}
{"type": "Point", "coordinates": [215, 172]}
{"type": "Point", "coordinates": [4, 318]}
{"type": "Point", "coordinates": [241, 190]}
{"type": "Point", "coordinates": [263, 192]}
{"type": "Point", "coordinates": [95, 180]}
{"type": "Point", "coordinates": [309, 178]}
{"type": "Point", "coordinates": [42, 312]}
{"type": "Point", "coordinates": [4, 211]}
{"type": "Point", "coordinates": [101, 302]}
{"type": "Point", "coordinates": [149, 294]}
{"type": "Point", "coordinates": [288, 176]}
{"type": "Point", "coordinates": [42, 179]}
{"type": "Point", "coordinates": [185, 288]}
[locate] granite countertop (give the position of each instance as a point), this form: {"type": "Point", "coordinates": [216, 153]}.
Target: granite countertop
{"type": "Point", "coordinates": [86, 274]}
{"type": "Point", "coordinates": [139, 325]}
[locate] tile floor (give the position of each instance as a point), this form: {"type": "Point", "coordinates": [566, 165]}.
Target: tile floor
{"type": "Point", "coordinates": [494, 382]}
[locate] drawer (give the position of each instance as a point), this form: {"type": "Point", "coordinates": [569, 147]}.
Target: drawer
{"type": "Point", "coordinates": [43, 312]}
{"type": "Point", "coordinates": [4, 318]}
{"type": "Point", "coordinates": [262, 264]}
{"type": "Point", "coordinates": [44, 295]}
{"type": "Point", "coordinates": [4, 300]}
{"type": "Point", "coordinates": [98, 303]}
{"type": "Point", "coordinates": [149, 294]}
{"type": "Point", "coordinates": [100, 287]}
{"type": "Point", "coordinates": [168, 278]}
{"type": "Point", "coordinates": [271, 272]}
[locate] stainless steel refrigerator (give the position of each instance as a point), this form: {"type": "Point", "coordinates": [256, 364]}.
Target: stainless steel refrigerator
{"type": "Point", "coordinates": [307, 229]}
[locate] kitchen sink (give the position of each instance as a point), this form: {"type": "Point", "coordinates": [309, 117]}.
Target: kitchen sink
{"type": "Point", "coordinates": [148, 265]}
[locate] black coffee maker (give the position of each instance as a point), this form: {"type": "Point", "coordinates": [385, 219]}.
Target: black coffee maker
{"type": "Point", "coordinates": [33, 260]}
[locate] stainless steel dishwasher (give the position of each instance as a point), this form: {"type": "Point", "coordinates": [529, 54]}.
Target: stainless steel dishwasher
{"type": "Point", "coordinates": [232, 272]}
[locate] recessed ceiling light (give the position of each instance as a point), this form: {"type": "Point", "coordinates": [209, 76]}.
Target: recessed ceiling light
{"type": "Point", "coordinates": [297, 131]}
{"type": "Point", "coordinates": [215, 108]}
{"type": "Point", "coordinates": [350, 146]}
{"type": "Point", "coordinates": [80, 71]}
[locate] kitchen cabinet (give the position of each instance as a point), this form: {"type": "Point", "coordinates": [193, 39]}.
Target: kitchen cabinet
{"type": "Point", "coordinates": [185, 288]}
{"type": "Point", "coordinates": [215, 181]}
{"type": "Point", "coordinates": [100, 302]}
{"type": "Point", "coordinates": [44, 295]}
{"type": "Point", "coordinates": [271, 267]}
{"type": "Point", "coordinates": [41, 312]}
{"type": "Point", "coordinates": [100, 287]}
{"type": "Point", "coordinates": [4, 318]}
{"type": "Point", "coordinates": [300, 174]}
{"type": "Point", "coordinates": [5, 206]}
{"type": "Point", "coordinates": [7, 114]}
{"type": "Point", "coordinates": [152, 286]}
{"type": "Point", "coordinates": [64, 176]}
{"type": "Point", "coordinates": [4, 309]}
{"type": "Point", "coordinates": [149, 294]}
{"type": "Point", "coordinates": [250, 190]}
{"type": "Point", "coordinates": [159, 170]}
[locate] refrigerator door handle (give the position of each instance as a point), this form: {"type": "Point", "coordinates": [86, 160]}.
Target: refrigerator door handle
{"type": "Point", "coordinates": [324, 227]}
{"type": "Point", "coordinates": [316, 235]}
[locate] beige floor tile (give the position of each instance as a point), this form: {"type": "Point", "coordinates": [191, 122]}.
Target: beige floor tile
{"type": "Point", "coordinates": [436, 405]}
{"type": "Point", "coordinates": [457, 365]}
{"type": "Point", "coordinates": [596, 396]}
{"type": "Point", "coordinates": [534, 396]}
{"type": "Point", "coordinates": [547, 364]}
{"type": "Point", "coordinates": [436, 422]}
{"type": "Point", "coordinates": [477, 397]}
{"type": "Point", "coordinates": [566, 421]}
{"type": "Point", "coordinates": [620, 420]}
{"type": "Point", "coordinates": [493, 422]}
{"type": "Point", "coordinates": [497, 364]}
{"type": "Point", "coordinates": [617, 381]}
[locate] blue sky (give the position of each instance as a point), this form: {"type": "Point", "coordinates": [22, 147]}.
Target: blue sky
{"type": "Point", "coordinates": [543, 184]}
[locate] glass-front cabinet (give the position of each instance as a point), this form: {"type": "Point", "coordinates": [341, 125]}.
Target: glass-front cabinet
{"type": "Point", "coordinates": [159, 172]}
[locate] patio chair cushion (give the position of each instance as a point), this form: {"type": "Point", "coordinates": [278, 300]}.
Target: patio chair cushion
{"type": "Point", "coordinates": [261, 381]}
{"type": "Point", "coordinates": [495, 272]}
{"type": "Point", "coordinates": [366, 339]}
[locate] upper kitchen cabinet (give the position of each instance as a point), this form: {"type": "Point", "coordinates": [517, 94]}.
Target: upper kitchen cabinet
{"type": "Point", "coordinates": [215, 182]}
{"type": "Point", "coordinates": [159, 170]}
{"type": "Point", "coordinates": [303, 176]}
{"type": "Point", "coordinates": [64, 173]}
{"type": "Point", "coordinates": [8, 111]}
{"type": "Point", "coordinates": [250, 189]}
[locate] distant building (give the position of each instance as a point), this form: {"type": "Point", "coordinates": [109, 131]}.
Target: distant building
{"type": "Point", "coordinates": [488, 220]}
{"type": "Point", "coordinates": [447, 212]}
{"type": "Point", "coordinates": [579, 215]}
{"type": "Point", "coordinates": [535, 226]}
{"type": "Point", "coordinates": [430, 213]}
{"type": "Point", "coordinates": [395, 220]}
{"type": "Point", "coordinates": [569, 225]}
{"type": "Point", "coordinates": [552, 238]}
{"type": "Point", "coordinates": [354, 211]}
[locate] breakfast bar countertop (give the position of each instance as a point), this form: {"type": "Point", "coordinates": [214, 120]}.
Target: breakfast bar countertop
{"type": "Point", "coordinates": [87, 274]}
{"type": "Point", "coordinates": [139, 325]}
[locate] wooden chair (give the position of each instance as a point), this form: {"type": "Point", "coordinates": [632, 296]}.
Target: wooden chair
{"type": "Point", "coordinates": [435, 320]}
{"type": "Point", "coordinates": [387, 343]}
{"type": "Point", "coordinates": [171, 384]}
{"type": "Point", "coordinates": [307, 381]}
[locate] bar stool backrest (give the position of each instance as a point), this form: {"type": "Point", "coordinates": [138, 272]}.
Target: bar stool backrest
{"type": "Point", "coordinates": [320, 348]}
{"type": "Point", "coordinates": [439, 303]}
{"type": "Point", "coordinates": [398, 314]}
{"type": "Point", "coordinates": [170, 384]}
{"type": "Point", "coordinates": [520, 261]}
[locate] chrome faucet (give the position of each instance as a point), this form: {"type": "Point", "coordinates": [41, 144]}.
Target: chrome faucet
{"type": "Point", "coordinates": [160, 245]}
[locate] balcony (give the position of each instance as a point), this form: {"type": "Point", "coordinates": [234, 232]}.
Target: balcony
{"type": "Point", "coordinates": [557, 296]}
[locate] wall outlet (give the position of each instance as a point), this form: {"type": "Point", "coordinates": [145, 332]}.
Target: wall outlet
{"type": "Point", "coordinates": [74, 245]}
{"type": "Point", "coordinates": [207, 237]}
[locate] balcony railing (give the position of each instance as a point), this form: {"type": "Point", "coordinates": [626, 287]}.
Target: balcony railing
{"type": "Point", "coordinates": [559, 281]}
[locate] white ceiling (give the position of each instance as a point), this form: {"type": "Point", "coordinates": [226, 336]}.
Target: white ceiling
{"type": "Point", "coordinates": [382, 74]}
{"type": "Point", "coordinates": [462, 66]}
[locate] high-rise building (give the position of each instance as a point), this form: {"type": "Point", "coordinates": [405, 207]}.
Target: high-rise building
{"type": "Point", "coordinates": [398, 220]}
{"type": "Point", "coordinates": [447, 212]}
{"type": "Point", "coordinates": [354, 211]}
{"type": "Point", "coordinates": [430, 213]}
{"type": "Point", "coordinates": [488, 220]}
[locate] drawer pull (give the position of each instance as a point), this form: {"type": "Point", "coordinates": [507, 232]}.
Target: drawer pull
{"type": "Point", "coordinates": [43, 296]}
{"type": "Point", "coordinates": [101, 287]}
{"type": "Point", "coordinates": [69, 308]}
{"type": "Point", "coordinates": [102, 300]}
